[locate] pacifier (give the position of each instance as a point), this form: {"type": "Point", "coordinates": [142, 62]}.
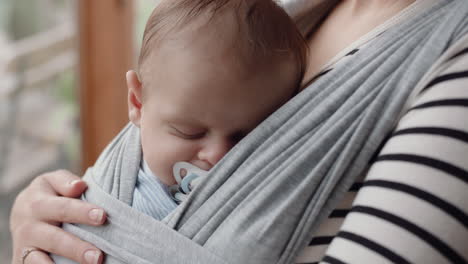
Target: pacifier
{"type": "Point", "coordinates": [187, 177]}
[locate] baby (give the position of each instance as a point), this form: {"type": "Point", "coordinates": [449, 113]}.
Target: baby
{"type": "Point", "coordinates": [209, 72]}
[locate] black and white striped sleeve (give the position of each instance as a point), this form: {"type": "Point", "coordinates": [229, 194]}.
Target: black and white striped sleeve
{"type": "Point", "coordinates": [413, 205]}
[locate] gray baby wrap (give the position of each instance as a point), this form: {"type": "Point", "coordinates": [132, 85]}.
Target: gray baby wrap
{"type": "Point", "coordinates": [263, 200]}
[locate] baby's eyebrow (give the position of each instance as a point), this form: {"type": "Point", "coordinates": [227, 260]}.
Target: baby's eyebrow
{"type": "Point", "coordinates": [179, 117]}
{"type": "Point", "coordinates": [185, 122]}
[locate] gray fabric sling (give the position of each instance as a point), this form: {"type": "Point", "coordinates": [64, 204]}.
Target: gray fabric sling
{"type": "Point", "coordinates": [263, 201]}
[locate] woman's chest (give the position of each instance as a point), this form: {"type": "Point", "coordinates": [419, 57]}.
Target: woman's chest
{"type": "Point", "coordinates": [341, 31]}
{"type": "Point", "coordinates": [325, 44]}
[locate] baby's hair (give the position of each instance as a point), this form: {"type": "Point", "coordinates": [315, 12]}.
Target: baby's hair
{"type": "Point", "coordinates": [270, 32]}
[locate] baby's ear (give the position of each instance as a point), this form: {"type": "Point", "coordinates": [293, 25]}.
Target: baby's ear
{"type": "Point", "coordinates": [134, 97]}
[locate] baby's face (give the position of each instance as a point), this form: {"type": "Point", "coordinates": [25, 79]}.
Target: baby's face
{"type": "Point", "coordinates": [199, 101]}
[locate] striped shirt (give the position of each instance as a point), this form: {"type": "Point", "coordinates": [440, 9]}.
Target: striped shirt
{"type": "Point", "coordinates": [411, 205]}
{"type": "Point", "coordinates": [151, 196]}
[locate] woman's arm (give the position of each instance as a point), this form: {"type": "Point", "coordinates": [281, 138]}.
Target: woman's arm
{"type": "Point", "coordinates": [413, 206]}
{"type": "Point", "coordinates": [40, 209]}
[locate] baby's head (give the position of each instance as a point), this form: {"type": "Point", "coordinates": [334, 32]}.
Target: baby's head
{"type": "Point", "coordinates": [209, 72]}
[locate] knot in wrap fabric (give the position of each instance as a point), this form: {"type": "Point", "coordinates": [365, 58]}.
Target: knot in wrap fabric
{"type": "Point", "coordinates": [263, 200]}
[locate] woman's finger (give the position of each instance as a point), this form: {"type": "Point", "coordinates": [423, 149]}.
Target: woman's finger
{"type": "Point", "coordinates": [37, 257]}
{"type": "Point", "coordinates": [61, 182]}
{"type": "Point", "coordinates": [57, 241]}
{"type": "Point", "coordinates": [68, 210]}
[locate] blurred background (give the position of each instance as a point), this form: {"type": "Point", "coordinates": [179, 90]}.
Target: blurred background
{"type": "Point", "coordinates": [62, 86]}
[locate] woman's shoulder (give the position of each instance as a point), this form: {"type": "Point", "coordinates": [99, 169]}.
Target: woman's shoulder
{"type": "Point", "coordinates": [451, 66]}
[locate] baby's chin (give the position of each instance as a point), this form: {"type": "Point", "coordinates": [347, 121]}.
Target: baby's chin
{"type": "Point", "coordinates": [167, 179]}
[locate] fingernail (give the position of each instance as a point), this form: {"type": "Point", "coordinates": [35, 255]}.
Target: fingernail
{"type": "Point", "coordinates": [74, 182]}
{"type": "Point", "coordinates": [92, 256]}
{"type": "Point", "coordinates": [96, 215]}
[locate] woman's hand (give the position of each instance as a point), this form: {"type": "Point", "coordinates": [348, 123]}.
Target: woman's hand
{"type": "Point", "coordinates": [40, 209]}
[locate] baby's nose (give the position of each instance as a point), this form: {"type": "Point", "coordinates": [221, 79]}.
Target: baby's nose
{"type": "Point", "coordinates": [215, 151]}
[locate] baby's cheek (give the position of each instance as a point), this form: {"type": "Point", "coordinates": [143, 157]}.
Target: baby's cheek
{"type": "Point", "coordinates": [178, 150]}
{"type": "Point", "coordinates": [167, 153]}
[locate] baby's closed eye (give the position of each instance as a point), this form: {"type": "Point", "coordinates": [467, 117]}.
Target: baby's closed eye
{"type": "Point", "coordinates": [186, 132]}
